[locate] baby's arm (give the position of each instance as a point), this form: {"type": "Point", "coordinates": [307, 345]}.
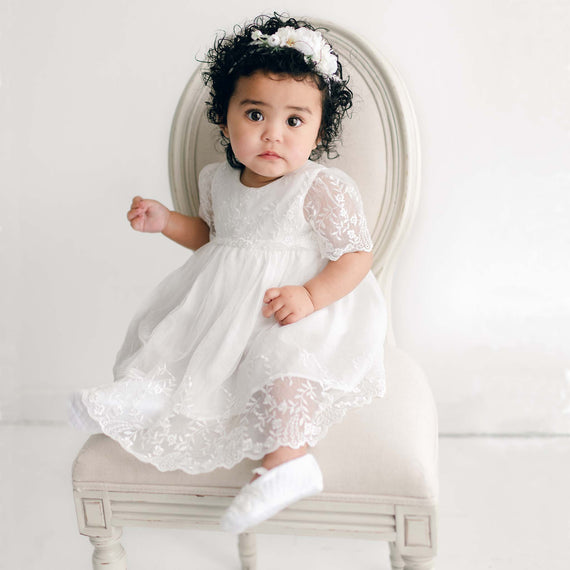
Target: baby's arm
{"type": "Point", "coordinates": [152, 216]}
{"type": "Point", "coordinates": [291, 303]}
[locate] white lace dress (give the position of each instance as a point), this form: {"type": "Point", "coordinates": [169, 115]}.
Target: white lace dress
{"type": "Point", "coordinates": [203, 379]}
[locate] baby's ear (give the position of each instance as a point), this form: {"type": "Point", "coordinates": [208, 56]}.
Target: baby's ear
{"type": "Point", "coordinates": [225, 132]}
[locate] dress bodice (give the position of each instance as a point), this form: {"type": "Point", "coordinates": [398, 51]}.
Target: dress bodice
{"type": "Point", "coordinates": [269, 216]}
{"type": "Point", "coordinates": [313, 207]}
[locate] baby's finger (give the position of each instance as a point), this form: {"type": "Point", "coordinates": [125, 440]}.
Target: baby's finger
{"type": "Point", "coordinates": [270, 308]}
{"type": "Point", "coordinates": [134, 213]}
{"type": "Point", "coordinates": [282, 314]}
{"type": "Point", "coordinates": [266, 311]}
{"type": "Point", "coordinates": [137, 223]}
{"type": "Point", "coordinates": [289, 320]}
{"type": "Point", "coordinates": [271, 294]}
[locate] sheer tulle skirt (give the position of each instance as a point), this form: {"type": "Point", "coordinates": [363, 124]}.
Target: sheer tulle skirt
{"type": "Point", "coordinates": [204, 380]}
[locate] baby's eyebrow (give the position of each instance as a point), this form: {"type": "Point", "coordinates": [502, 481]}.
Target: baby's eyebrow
{"type": "Point", "coordinates": [263, 104]}
{"type": "Point", "coordinates": [252, 102]}
{"type": "Point", "coordinates": [301, 109]}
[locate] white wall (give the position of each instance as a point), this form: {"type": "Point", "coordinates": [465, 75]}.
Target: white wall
{"type": "Point", "coordinates": [87, 94]}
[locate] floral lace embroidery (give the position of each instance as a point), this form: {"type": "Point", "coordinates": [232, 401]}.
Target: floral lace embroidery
{"type": "Point", "coordinates": [334, 209]}
{"type": "Point", "coordinates": [287, 411]}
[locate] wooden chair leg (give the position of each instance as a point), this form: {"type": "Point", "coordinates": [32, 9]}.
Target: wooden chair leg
{"type": "Point", "coordinates": [247, 551]}
{"type": "Point", "coordinates": [396, 559]}
{"type": "Point", "coordinates": [108, 553]}
{"type": "Point", "coordinates": [416, 536]}
{"type": "Point", "coordinates": [418, 562]}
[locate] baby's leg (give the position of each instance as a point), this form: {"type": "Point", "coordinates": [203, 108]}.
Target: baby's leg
{"type": "Point", "coordinates": [279, 456]}
{"type": "Point", "coordinates": [286, 391]}
{"type": "Point", "coordinates": [282, 454]}
{"type": "Point", "coordinates": [288, 474]}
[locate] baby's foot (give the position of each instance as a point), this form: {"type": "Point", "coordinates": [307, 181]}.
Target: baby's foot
{"type": "Point", "coordinates": [271, 492]}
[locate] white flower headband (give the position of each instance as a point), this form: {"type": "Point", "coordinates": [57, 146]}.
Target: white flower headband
{"type": "Point", "coordinates": [309, 42]}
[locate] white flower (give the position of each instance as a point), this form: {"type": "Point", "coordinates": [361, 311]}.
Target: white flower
{"type": "Point", "coordinates": [310, 43]}
{"type": "Point", "coordinates": [287, 37]}
{"type": "Point", "coordinates": [328, 63]}
{"type": "Point", "coordinates": [274, 41]}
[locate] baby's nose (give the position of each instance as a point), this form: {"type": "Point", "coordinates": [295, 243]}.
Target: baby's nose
{"type": "Point", "coordinates": [272, 132]}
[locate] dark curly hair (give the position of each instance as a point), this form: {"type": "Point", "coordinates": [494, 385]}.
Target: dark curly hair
{"type": "Point", "coordinates": [234, 56]}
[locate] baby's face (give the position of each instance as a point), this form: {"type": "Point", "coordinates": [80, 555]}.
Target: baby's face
{"type": "Point", "coordinates": [273, 124]}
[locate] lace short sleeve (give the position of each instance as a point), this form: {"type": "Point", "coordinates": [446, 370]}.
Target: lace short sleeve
{"type": "Point", "coordinates": [205, 210]}
{"type": "Point", "coordinates": [333, 207]}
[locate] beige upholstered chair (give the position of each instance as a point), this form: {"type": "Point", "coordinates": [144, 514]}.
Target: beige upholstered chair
{"type": "Point", "coordinates": [380, 463]}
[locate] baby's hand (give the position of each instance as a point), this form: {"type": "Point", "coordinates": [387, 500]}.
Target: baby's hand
{"type": "Point", "coordinates": [288, 304]}
{"type": "Point", "coordinates": [148, 215]}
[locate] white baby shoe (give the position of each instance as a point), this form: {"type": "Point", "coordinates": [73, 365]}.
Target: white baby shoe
{"type": "Point", "coordinates": [274, 490]}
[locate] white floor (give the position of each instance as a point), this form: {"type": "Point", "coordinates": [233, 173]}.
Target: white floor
{"type": "Point", "coordinates": [505, 504]}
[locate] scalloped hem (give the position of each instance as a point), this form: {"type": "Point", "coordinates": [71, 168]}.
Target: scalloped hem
{"type": "Point", "coordinates": [237, 444]}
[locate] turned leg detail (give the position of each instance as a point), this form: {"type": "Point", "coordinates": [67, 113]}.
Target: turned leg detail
{"type": "Point", "coordinates": [247, 551]}
{"type": "Point", "coordinates": [396, 559]}
{"type": "Point", "coordinates": [108, 553]}
{"type": "Point", "coordinates": [418, 562]}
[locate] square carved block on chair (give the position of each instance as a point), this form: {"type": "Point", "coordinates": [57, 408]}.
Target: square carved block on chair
{"type": "Point", "coordinates": [380, 463]}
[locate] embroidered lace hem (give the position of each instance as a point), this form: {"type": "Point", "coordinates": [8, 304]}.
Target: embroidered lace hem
{"type": "Point", "coordinates": [289, 412]}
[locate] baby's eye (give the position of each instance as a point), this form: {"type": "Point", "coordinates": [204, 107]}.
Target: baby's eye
{"type": "Point", "coordinates": [255, 115]}
{"type": "Point", "coordinates": [294, 121]}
